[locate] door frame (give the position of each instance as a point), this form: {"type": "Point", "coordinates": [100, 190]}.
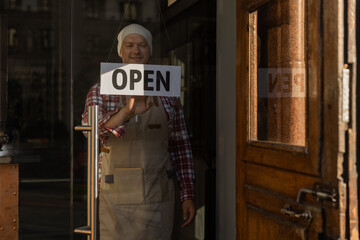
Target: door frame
{"type": "Point", "coordinates": [352, 30]}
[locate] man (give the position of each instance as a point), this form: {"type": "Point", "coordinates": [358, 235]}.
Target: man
{"type": "Point", "coordinates": [144, 143]}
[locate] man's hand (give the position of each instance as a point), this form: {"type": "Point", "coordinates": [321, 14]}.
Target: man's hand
{"type": "Point", "coordinates": [138, 105]}
{"type": "Point", "coordinates": [188, 212]}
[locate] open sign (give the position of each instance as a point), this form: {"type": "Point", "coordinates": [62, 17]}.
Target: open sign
{"type": "Point", "coordinates": [140, 79]}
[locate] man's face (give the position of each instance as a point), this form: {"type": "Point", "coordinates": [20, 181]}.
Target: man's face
{"type": "Point", "coordinates": [135, 49]}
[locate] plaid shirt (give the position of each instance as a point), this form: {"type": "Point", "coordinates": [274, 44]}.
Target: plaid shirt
{"type": "Point", "coordinates": [179, 144]}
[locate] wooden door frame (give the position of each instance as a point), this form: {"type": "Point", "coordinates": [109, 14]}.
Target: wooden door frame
{"type": "Point", "coordinates": [332, 129]}
{"type": "Point", "coordinates": [242, 54]}
{"type": "Point", "coordinates": [351, 33]}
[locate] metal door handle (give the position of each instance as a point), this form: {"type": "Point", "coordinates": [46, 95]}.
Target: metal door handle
{"type": "Point", "coordinates": [306, 215]}
{"type": "Point", "coordinates": [92, 185]}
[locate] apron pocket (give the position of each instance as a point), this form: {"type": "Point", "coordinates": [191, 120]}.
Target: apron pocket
{"type": "Point", "coordinates": [129, 185]}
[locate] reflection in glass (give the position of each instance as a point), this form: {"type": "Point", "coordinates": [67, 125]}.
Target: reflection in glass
{"type": "Point", "coordinates": [38, 113]}
{"type": "Point", "coordinates": [130, 11]}
{"type": "Point", "coordinates": [277, 73]}
{"type": "Point", "coordinates": [181, 56]}
{"type": "Point", "coordinates": [171, 2]}
{"type": "Point", "coordinates": [12, 37]}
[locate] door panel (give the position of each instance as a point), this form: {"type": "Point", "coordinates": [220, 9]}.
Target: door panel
{"type": "Point", "coordinates": [258, 199]}
{"type": "Point", "coordinates": [277, 180]}
{"type": "Point", "coordinates": [277, 228]}
{"type": "Point", "coordinates": [268, 190]}
{"type": "Point", "coordinates": [287, 181]}
{"type": "Point", "coordinates": [291, 160]}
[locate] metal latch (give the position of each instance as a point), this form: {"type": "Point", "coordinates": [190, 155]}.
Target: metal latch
{"type": "Point", "coordinates": [323, 193]}
{"type": "Point", "coordinates": [306, 215]}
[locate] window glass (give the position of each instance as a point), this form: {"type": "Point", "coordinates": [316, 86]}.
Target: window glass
{"type": "Point", "coordinates": [278, 73]}
{"type": "Point", "coordinates": [36, 73]}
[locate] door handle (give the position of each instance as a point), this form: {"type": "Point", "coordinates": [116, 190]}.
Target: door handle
{"type": "Point", "coordinates": [92, 171]}
{"type": "Point", "coordinates": [306, 215]}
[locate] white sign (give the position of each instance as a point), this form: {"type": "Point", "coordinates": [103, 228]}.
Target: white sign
{"type": "Point", "coordinates": [140, 79]}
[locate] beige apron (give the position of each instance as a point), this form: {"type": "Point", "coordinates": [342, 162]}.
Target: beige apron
{"type": "Point", "coordinates": [137, 195]}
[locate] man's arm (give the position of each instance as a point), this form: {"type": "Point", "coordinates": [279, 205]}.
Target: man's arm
{"type": "Point", "coordinates": [182, 159]}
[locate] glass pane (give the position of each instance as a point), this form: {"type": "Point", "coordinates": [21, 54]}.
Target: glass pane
{"type": "Point", "coordinates": [38, 112]}
{"type": "Point", "coordinates": [181, 56]}
{"type": "Point", "coordinates": [183, 36]}
{"type": "Point", "coordinates": [278, 73]}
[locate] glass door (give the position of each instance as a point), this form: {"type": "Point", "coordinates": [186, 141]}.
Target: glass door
{"type": "Point", "coordinates": [50, 57]}
{"type": "Point", "coordinates": [96, 25]}
{"type": "Point", "coordinates": [184, 35]}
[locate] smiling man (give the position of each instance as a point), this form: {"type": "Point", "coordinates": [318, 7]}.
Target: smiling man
{"type": "Point", "coordinates": [144, 146]}
{"type": "Point", "coordinates": [134, 48]}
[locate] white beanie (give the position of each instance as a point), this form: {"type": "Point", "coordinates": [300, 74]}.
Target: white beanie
{"type": "Point", "coordinates": [134, 28]}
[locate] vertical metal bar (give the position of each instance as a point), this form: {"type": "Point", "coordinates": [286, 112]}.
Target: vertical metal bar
{"type": "Point", "coordinates": [71, 118]}
{"type": "Point", "coordinates": [89, 140]}
{"type": "Point", "coordinates": [92, 184]}
{"type": "Point", "coordinates": [94, 176]}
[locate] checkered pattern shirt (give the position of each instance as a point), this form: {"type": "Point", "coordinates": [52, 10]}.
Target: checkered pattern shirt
{"type": "Point", "coordinates": [179, 144]}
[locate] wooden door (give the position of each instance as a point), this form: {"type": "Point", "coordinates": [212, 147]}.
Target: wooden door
{"type": "Point", "coordinates": [290, 120]}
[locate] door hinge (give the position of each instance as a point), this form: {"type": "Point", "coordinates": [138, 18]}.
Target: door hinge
{"type": "Point", "coordinates": [323, 193]}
